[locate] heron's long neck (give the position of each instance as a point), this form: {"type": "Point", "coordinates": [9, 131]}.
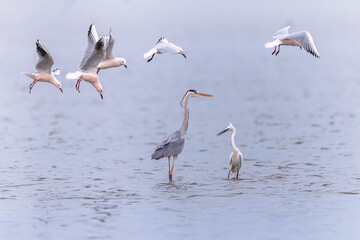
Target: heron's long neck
{"type": "Point", "coordinates": [233, 140]}
{"type": "Point", "coordinates": [186, 118]}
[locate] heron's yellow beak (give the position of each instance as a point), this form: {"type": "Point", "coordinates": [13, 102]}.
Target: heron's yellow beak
{"type": "Point", "coordinates": [205, 95]}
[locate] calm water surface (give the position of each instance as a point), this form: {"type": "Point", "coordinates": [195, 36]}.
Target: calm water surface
{"type": "Point", "coordinates": [74, 166]}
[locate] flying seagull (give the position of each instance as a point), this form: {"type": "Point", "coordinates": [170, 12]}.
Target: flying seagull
{"type": "Point", "coordinates": [43, 68]}
{"type": "Point", "coordinates": [301, 39]}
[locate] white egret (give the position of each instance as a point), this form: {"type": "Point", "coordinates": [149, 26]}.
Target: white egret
{"type": "Point", "coordinates": [236, 157]}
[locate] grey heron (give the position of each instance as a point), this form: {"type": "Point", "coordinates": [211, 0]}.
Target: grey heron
{"type": "Point", "coordinates": [109, 60]}
{"type": "Point", "coordinates": [301, 39]}
{"type": "Point", "coordinates": [174, 143]}
{"type": "Point", "coordinates": [94, 54]}
{"type": "Point", "coordinates": [43, 68]}
{"type": "Point", "coordinates": [163, 46]}
{"type": "Point", "coordinates": [236, 157]}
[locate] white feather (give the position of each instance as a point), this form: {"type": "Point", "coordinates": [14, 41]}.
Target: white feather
{"type": "Point", "coordinates": [74, 75]}
{"type": "Point", "coordinates": [150, 53]}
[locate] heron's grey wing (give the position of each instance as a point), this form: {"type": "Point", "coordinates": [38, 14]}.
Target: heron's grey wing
{"type": "Point", "coordinates": [95, 57]}
{"type": "Point", "coordinates": [305, 40]}
{"type": "Point", "coordinates": [170, 146]}
{"type": "Point", "coordinates": [45, 61]}
{"type": "Point", "coordinates": [93, 38]}
{"type": "Point", "coordinates": [167, 48]}
{"type": "Point", "coordinates": [110, 41]}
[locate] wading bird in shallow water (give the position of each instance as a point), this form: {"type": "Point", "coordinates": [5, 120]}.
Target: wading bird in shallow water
{"type": "Point", "coordinates": [301, 39]}
{"type": "Point", "coordinates": [94, 54]}
{"type": "Point", "coordinates": [174, 143]}
{"type": "Point", "coordinates": [43, 68]}
{"type": "Point", "coordinates": [236, 157]}
{"type": "Point", "coordinates": [110, 61]}
{"type": "Point", "coordinates": [163, 46]}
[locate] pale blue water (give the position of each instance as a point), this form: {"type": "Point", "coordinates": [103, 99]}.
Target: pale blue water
{"type": "Point", "coordinates": [74, 166]}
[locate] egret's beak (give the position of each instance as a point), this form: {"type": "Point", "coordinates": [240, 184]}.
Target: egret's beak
{"type": "Point", "coordinates": [125, 65]}
{"type": "Point", "coordinates": [101, 96]}
{"type": "Point", "coordinates": [223, 131]}
{"type": "Point", "coordinates": [183, 55]}
{"type": "Point", "coordinates": [61, 90]}
{"type": "Point", "coordinates": [205, 95]}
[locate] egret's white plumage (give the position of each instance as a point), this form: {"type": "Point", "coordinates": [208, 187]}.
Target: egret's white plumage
{"type": "Point", "coordinates": [109, 60]}
{"type": "Point", "coordinates": [43, 71]}
{"type": "Point", "coordinates": [236, 157]}
{"type": "Point", "coordinates": [94, 54]}
{"type": "Point", "coordinates": [164, 46]}
{"type": "Point", "coordinates": [301, 39]}
{"type": "Point", "coordinates": [173, 144]}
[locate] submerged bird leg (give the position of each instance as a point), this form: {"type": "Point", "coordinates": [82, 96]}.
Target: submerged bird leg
{"type": "Point", "coordinates": [77, 86]}
{"type": "Point", "coordinates": [172, 168]}
{"type": "Point", "coordinates": [237, 175]}
{"type": "Point", "coordinates": [151, 58]}
{"type": "Point", "coordinates": [97, 72]}
{"type": "Point", "coordinates": [278, 51]}
{"type": "Point", "coordinates": [169, 163]}
{"type": "Point", "coordinates": [274, 51]}
{"type": "Point", "coordinates": [229, 174]}
{"type": "Point", "coordinates": [32, 85]}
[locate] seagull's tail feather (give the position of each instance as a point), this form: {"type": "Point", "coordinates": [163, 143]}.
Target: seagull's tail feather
{"type": "Point", "coordinates": [149, 53]}
{"type": "Point", "coordinates": [74, 75]}
{"type": "Point", "coordinates": [272, 44]}
{"type": "Point", "coordinates": [30, 75]}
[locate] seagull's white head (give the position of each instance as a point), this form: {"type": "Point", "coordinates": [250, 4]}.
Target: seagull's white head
{"type": "Point", "coordinates": [121, 61]}
{"type": "Point", "coordinates": [98, 88]}
{"type": "Point", "coordinates": [181, 51]}
{"type": "Point", "coordinates": [56, 83]}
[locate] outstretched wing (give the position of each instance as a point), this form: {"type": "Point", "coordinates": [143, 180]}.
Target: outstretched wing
{"type": "Point", "coordinates": [93, 38]}
{"type": "Point", "coordinates": [170, 146]}
{"type": "Point", "coordinates": [305, 40]}
{"type": "Point", "coordinates": [282, 32]}
{"type": "Point", "coordinates": [95, 57]}
{"type": "Point", "coordinates": [109, 41]}
{"type": "Point", "coordinates": [162, 40]}
{"type": "Point", "coordinates": [45, 61]}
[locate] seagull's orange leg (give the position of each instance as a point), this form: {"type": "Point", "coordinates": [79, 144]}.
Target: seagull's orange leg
{"type": "Point", "coordinates": [77, 86]}
{"type": "Point", "coordinates": [32, 85]}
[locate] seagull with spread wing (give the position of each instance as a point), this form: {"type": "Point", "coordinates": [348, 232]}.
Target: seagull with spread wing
{"type": "Point", "coordinates": [110, 61]}
{"type": "Point", "coordinates": [94, 54]}
{"type": "Point", "coordinates": [43, 68]}
{"type": "Point", "coordinates": [164, 46]}
{"type": "Point", "coordinates": [301, 39]}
